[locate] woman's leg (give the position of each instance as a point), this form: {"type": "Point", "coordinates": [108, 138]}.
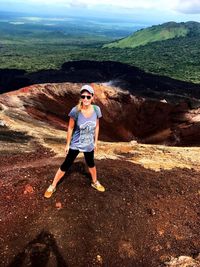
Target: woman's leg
{"type": "Point", "coordinates": [72, 154]}
{"type": "Point", "coordinates": [59, 174]}
{"type": "Point", "coordinates": [93, 172]}
{"type": "Point", "coordinates": [89, 158]}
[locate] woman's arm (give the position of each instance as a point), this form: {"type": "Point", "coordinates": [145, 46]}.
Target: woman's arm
{"type": "Point", "coordinates": [69, 133]}
{"type": "Point", "coordinates": [96, 135]}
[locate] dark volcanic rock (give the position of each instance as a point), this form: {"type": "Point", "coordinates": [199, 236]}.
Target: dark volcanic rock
{"type": "Point", "coordinates": [11, 79]}
{"type": "Point", "coordinates": [125, 76]}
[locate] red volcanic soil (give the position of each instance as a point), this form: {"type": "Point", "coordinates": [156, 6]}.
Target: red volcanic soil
{"type": "Point", "coordinates": [142, 219]}
{"type": "Point", "coordinates": [132, 117]}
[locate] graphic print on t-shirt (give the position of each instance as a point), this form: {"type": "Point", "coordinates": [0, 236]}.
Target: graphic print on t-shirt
{"type": "Point", "coordinates": [87, 130]}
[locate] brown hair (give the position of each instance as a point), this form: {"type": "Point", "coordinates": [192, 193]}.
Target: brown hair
{"type": "Point", "coordinates": [79, 105]}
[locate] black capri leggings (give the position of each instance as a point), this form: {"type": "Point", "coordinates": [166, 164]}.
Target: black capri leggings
{"type": "Point", "coordinates": [72, 154]}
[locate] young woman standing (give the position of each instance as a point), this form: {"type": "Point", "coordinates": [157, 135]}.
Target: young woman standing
{"type": "Point", "coordinates": [82, 136]}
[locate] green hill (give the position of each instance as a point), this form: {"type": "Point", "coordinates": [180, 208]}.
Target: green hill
{"type": "Point", "coordinates": [166, 31]}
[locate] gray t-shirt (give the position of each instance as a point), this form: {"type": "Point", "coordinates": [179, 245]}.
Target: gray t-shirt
{"type": "Point", "coordinates": [84, 130]}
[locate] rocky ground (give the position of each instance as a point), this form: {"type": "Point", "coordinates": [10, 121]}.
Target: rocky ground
{"type": "Point", "coordinates": [148, 215]}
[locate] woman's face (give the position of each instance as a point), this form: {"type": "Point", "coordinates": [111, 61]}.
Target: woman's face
{"type": "Point", "coordinates": [86, 98]}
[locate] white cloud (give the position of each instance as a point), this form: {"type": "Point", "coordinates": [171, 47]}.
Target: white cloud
{"type": "Point", "coordinates": [181, 6]}
{"type": "Point", "coordinates": [138, 4]}
{"type": "Point", "coordinates": [188, 6]}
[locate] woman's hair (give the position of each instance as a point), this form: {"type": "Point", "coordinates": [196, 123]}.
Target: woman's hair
{"type": "Point", "coordinates": [80, 104]}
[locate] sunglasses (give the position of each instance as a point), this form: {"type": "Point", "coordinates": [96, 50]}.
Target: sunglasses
{"type": "Point", "coordinates": [86, 96]}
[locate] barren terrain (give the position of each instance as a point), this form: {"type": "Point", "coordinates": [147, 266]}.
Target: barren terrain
{"type": "Point", "coordinates": [149, 214]}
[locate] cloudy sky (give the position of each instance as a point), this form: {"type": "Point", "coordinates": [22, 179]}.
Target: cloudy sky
{"type": "Point", "coordinates": [138, 10]}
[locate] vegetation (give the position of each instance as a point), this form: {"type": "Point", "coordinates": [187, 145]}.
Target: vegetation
{"type": "Point", "coordinates": [157, 33]}
{"type": "Point", "coordinates": [34, 48]}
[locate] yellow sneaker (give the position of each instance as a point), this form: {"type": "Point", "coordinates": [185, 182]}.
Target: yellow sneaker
{"type": "Point", "coordinates": [98, 186]}
{"type": "Point", "coordinates": [50, 190]}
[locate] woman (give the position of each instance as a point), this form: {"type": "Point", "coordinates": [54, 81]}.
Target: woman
{"type": "Point", "coordinates": [82, 136]}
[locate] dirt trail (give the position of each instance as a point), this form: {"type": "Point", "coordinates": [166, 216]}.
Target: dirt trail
{"type": "Point", "coordinates": [33, 164]}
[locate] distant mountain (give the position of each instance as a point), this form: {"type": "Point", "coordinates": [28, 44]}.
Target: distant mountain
{"type": "Point", "coordinates": [169, 30]}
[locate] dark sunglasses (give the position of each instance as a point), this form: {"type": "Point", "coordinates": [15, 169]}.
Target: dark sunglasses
{"type": "Point", "coordinates": [86, 96]}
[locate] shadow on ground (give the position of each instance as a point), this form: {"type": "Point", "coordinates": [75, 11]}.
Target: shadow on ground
{"type": "Point", "coordinates": [37, 252]}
